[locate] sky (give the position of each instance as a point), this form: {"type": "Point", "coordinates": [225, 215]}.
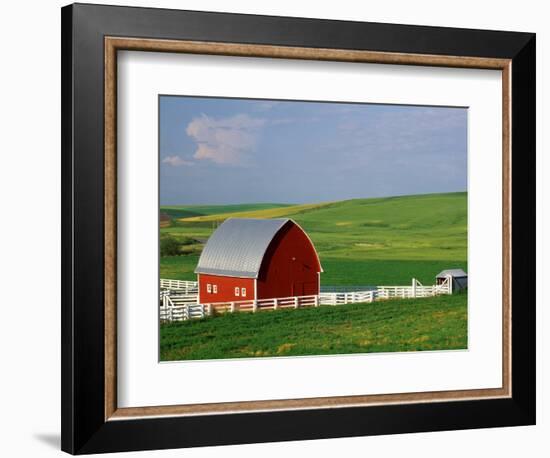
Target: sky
{"type": "Point", "coordinates": [228, 151]}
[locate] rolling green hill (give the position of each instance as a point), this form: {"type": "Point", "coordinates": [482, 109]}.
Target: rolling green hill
{"type": "Point", "coordinates": [279, 211]}
{"type": "Point", "coordinates": [360, 241]}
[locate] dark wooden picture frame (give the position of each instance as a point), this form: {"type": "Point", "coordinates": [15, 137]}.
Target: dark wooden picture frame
{"type": "Point", "coordinates": [91, 37]}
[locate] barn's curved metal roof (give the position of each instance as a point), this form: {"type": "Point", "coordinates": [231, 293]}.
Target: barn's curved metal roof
{"type": "Point", "coordinates": [456, 273]}
{"type": "Point", "coordinates": [237, 247]}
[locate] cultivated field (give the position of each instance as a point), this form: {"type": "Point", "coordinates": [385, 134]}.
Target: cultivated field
{"type": "Point", "coordinates": [384, 241]}
{"type": "Point", "coordinates": [434, 323]}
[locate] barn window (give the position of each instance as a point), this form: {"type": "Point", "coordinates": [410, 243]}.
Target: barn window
{"type": "Point", "coordinates": [209, 288]}
{"type": "Point", "coordinates": [215, 289]}
{"type": "Point", "coordinates": [243, 292]}
{"type": "Point", "coordinates": [236, 291]}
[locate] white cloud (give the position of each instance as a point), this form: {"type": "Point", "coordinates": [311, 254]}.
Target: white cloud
{"type": "Point", "coordinates": [176, 161]}
{"type": "Point", "coordinates": [225, 140]}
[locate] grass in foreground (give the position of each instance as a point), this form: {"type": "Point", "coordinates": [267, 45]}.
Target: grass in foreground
{"type": "Point", "coordinates": [436, 323]}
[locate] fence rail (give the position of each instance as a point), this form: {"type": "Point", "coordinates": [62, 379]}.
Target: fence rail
{"type": "Point", "coordinates": [179, 285]}
{"type": "Point", "coordinates": [182, 312]}
{"type": "Point", "coordinates": [175, 300]}
{"type": "Point", "coordinates": [178, 306]}
{"type": "Point", "coordinates": [264, 304]}
{"type": "Point", "coordinates": [347, 298]}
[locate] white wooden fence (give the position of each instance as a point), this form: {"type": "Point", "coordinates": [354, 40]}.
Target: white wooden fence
{"type": "Point", "coordinates": [179, 306]}
{"type": "Point", "coordinates": [416, 289]}
{"type": "Point", "coordinates": [347, 298]}
{"type": "Point", "coordinates": [179, 285]}
{"type": "Point", "coordinates": [264, 304]}
{"type": "Point", "coordinates": [181, 313]}
{"type": "Point", "coordinates": [177, 300]}
{"type": "Point", "coordinates": [185, 307]}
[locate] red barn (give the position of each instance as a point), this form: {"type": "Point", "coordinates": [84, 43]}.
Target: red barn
{"type": "Point", "coordinates": [248, 259]}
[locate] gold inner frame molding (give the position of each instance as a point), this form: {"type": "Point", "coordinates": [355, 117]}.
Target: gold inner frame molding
{"type": "Point", "coordinates": [114, 44]}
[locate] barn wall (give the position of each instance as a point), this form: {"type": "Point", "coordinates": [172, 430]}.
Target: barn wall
{"type": "Point", "coordinates": [290, 266]}
{"type": "Point", "coordinates": [226, 288]}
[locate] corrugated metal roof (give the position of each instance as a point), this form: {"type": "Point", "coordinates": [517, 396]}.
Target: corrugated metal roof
{"type": "Point", "coordinates": [452, 272]}
{"type": "Point", "coordinates": [237, 247]}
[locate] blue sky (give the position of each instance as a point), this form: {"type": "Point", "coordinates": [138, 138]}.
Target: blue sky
{"type": "Point", "coordinates": [222, 151]}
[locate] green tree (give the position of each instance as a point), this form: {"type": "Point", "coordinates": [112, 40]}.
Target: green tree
{"type": "Point", "coordinates": [169, 246]}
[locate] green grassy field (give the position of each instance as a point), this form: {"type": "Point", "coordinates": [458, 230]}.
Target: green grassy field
{"type": "Point", "coordinates": [360, 241]}
{"type": "Point", "coordinates": [434, 323]}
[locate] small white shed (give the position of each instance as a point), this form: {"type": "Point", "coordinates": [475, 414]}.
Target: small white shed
{"type": "Point", "coordinates": [459, 278]}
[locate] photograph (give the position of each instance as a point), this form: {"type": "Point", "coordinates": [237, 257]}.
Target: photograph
{"type": "Point", "coordinates": [336, 210]}
{"type": "Point", "coordinates": [306, 228]}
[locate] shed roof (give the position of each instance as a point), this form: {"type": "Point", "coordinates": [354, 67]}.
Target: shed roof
{"type": "Point", "coordinates": [237, 247]}
{"type": "Point", "coordinates": [457, 273]}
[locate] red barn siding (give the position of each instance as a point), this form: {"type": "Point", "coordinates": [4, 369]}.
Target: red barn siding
{"type": "Point", "coordinates": [226, 288]}
{"type": "Point", "coordinates": [290, 266]}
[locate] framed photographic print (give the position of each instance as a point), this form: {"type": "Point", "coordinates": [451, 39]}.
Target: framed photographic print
{"type": "Point", "coordinates": [281, 228]}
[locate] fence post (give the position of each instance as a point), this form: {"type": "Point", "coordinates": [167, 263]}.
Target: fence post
{"type": "Point", "coordinates": [316, 301]}
{"type": "Point", "coordinates": [275, 304]}
{"type": "Point", "coordinates": [414, 287]}
{"type": "Point", "coordinates": [254, 305]}
{"type": "Point", "coordinates": [295, 302]}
